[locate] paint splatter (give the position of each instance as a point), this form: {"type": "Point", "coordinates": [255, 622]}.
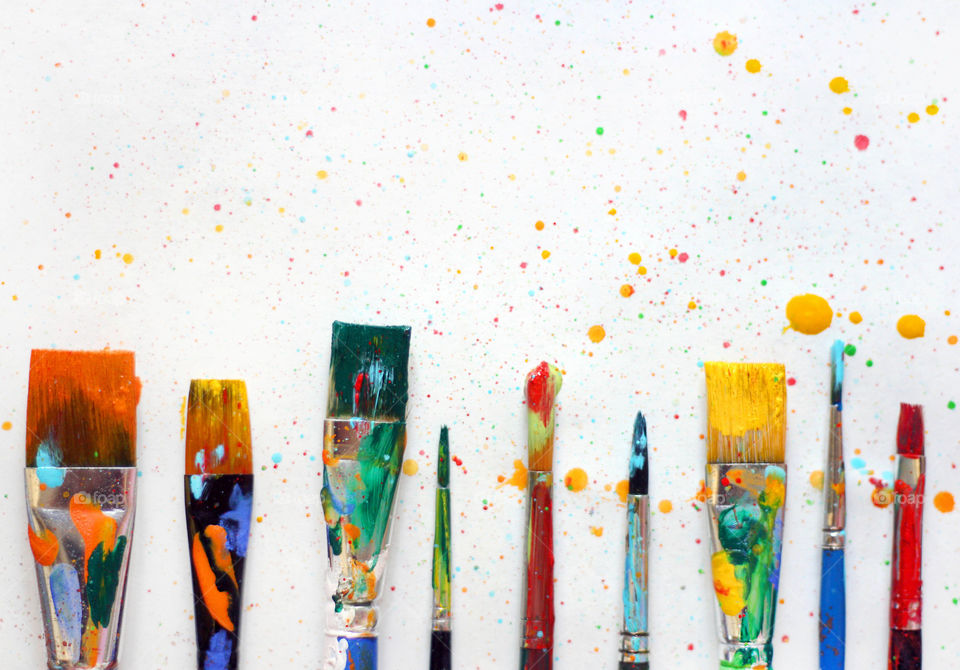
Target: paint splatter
{"type": "Point", "coordinates": [753, 66]}
{"type": "Point", "coordinates": [816, 479]}
{"type": "Point", "coordinates": [665, 506]}
{"type": "Point", "coordinates": [861, 142]}
{"type": "Point", "coordinates": [7, 425]}
{"type": "Point", "coordinates": [952, 339]}
{"type": "Point", "coordinates": [808, 314]}
{"type": "Point", "coordinates": [725, 43]}
{"type": "Point", "coordinates": [626, 290]}
{"type": "Point", "coordinates": [431, 23]}
{"type": "Point", "coordinates": [943, 501]}
{"type": "Point", "coordinates": [911, 326]}
{"type": "Point", "coordinates": [276, 458]}
{"type": "Point", "coordinates": [410, 467]}
{"type": "Point", "coordinates": [518, 478]}
{"type": "Point", "coordinates": [932, 109]}
{"type": "Point", "coordinates": [596, 333]}
{"type": "Point", "coordinates": [839, 85]}
{"type": "Point", "coordinates": [128, 258]}
{"type": "Point", "coordinates": [322, 174]}
{"type": "Point", "coordinates": [855, 317]}
{"type": "Point", "coordinates": [575, 480]}
{"type": "Point", "coordinates": [882, 495]}
{"type": "Point", "coordinates": [44, 546]}
{"type": "Point", "coordinates": [913, 117]}
{"type": "Point", "coordinates": [597, 530]}
{"type": "Point", "coordinates": [623, 488]}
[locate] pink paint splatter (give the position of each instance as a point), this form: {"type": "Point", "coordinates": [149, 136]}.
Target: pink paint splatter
{"type": "Point", "coordinates": [253, 18]}
{"type": "Point", "coordinates": [861, 142]}
{"type": "Point", "coordinates": [216, 207]}
{"type": "Point", "coordinates": [359, 202]}
{"type": "Point", "coordinates": [684, 257]}
{"type": "Point", "coordinates": [683, 114]}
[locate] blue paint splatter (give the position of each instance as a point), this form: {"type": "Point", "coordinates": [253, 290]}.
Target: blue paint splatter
{"type": "Point", "coordinates": [49, 464]}
{"type": "Point", "coordinates": [237, 521]}
{"type": "Point", "coordinates": [65, 592]}
{"type": "Point", "coordinates": [196, 486]}
{"type": "Point", "coordinates": [277, 457]}
{"type": "Point", "coordinates": [858, 463]}
{"type": "Point", "coordinates": [218, 654]}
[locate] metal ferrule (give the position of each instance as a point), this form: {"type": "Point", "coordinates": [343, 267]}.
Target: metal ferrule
{"type": "Point", "coordinates": [361, 469]}
{"type": "Point", "coordinates": [910, 471]}
{"type": "Point", "coordinates": [745, 505]}
{"type": "Point", "coordinates": [80, 529]}
{"type": "Point", "coordinates": [834, 486]}
{"type": "Point", "coordinates": [634, 635]}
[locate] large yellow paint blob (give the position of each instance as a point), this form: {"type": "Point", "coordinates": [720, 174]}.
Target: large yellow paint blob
{"type": "Point", "coordinates": [809, 314]}
{"type": "Point", "coordinates": [911, 326]}
{"type": "Point", "coordinates": [725, 43]}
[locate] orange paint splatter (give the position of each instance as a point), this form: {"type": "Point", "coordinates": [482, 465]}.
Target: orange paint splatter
{"type": "Point", "coordinates": [952, 339]}
{"type": "Point", "coordinates": [703, 492]}
{"type": "Point", "coordinates": [882, 495]}
{"type": "Point", "coordinates": [518, 478]}
{"type": "Point", "coordinates": [597, 530]}
{"type": "Point", "coordinates": [855, 317]}
{"type": "Point", "coordinates": [911, 326]}
{"type": "Point", "coordinates": [410, 467]}
{"type": "Point", "coordinates": [623, 488]}
{"type": "Point", "coordinates": [538, 225]}
{"type": "Point", "coordinates": [596, 333]}
{"type": "Point", "coordinates": [575, 480]}
{"type": "Point", "coordinates": [725, 43]}
{"type": "Point", "coordinates": [217, 602]}
{"type": "Point", "coordinates": [352, 531]}
{"type": "Point", "coordinates": [462, 156]}
{"type": "Point", "coordinates": [816, 479]}
{"type": "Point", "coordinates": [93, 525]}
{"type": "Point", "coordinates": [665, 506]}
{"type": "Point", "coordinates": [44, 546]}
{"type": "Point", "coordinates": [544, 254]}
{"type": "Point", "coordinates": [932, 109]}
{"type": "Point", "coordinates": [943, 501]}
{"type": "Point", "coordinates": [431, 23]}
{"type": "Point", "coordinates": [626, 290]}
{"type": "Point", "coordinates": [221, 555]}
{"type": "Point", "coordinates": [741, 176]}
{"type": "Point", "coordinates": [7, 425]}
{"type": "Point", "coordinates": [808, 314]}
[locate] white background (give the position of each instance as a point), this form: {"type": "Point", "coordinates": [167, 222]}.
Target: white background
{"type": "Point", "coordinates": [199, 105]}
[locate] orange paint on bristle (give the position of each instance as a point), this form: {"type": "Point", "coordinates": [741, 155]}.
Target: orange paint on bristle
{"type": "Point", "coordinates": [218, 428]}
{"type": "Point", "coordinates": [82, 408]}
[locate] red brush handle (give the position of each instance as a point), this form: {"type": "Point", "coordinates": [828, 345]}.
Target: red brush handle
{"type": "Point", "coordinates": [537, 648]}
{"type": "Point", "coordinates": [906, 590]}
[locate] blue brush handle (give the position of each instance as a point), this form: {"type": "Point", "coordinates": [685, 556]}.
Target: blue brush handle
{"type": "Point", "coordinates": [354, 653]}
{"type": "Point", "coordinates": [833, 610]}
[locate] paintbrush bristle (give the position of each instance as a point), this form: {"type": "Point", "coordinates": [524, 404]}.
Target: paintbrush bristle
{"type": "Point", "coordinates": [218, 428]}
{"type": "Point", "coordinates": [639, 462]}
{"type": "Point", "coordinates": [543, 384]}
{"type": "Point", "coordinates": [368, 372]}
{"type": "Point", "coordinates": [746, 412]}
{"type": "Point", "coordinates": [836, 374]}
{"type": "Point", "coordinates": [82, 409]}
{"type": "Point", "coordinates": [443, 458]}
{"type": "Point", "coordinates": [910, 430]}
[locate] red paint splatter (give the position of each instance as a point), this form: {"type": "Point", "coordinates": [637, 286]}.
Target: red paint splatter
{"type": "Point", "coordinates": [359, 202]}
{"type": "Point", "coordinates": [726, 345]}
{"type": "Point", "coordinates": [683, 114]}
{"type": "Point", "coordinates": [690, 647]}
{"type": "Point", "coordinates": [861, 142]}
{"type": "Point", "coordinates": [309, 133]}
{"type": "Point", "coordinates": [216, 207]}
{"type": "Point", "coordinates": [253, 18]}
{"type": "Point", "coordinates": [791, 381]}
{"type": "Point", "coordinates": [684, 257]}
{"type": "Point", "coordinates": [456, 459]}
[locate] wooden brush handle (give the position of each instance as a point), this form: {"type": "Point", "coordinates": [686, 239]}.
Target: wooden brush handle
{"type": "Point", "coordinates": [538, 616]}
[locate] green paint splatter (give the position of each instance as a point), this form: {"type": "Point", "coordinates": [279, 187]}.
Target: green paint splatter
{"type": "Point", "coordinates": [763, 282]}
{"type": "Point", "coordinates": [951, 405]}
{"type": "Point", "coordinates": [599, 131]}
{"type": "Point", "coordinates": [869, 363]}
{"type": "Point", "coordinates": [103, 577]}
{"type": "Point", "coordinates": [443, 458]}
{"type": "Point", "coordinates": [850, 350]}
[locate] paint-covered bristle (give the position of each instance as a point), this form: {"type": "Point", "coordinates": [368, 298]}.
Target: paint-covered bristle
{"type": "Point", "coordinates": [82, 409]}
{"type": "Point", "coordinates": [746, 412]}
{"type": "Point", "coordinates": [543, 384]}
{"type": "Point", "coordinates": [910, 430]}
{"type": "Point", "coordinates": [836, 374]}
{"type": "Point", "coordinates": [368, 372]}
{"type": "Point", "coordinates": [443, 458]}
{"type": "Point", "coordinates": [639, 463]}
{"type": "Point", "coordinates": [218, 428]}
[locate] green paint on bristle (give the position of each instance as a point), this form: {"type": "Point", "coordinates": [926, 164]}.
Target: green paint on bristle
{"type": "Point", "coordinates": [441, 551]}
{"type": "Point", "coordinates": [443, 458]}
{"type": "Point", "coordinates": [368, 372]}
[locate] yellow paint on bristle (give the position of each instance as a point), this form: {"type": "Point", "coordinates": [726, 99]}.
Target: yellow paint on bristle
{"type": "Point", "coordinates": [218, 428]}
{"type": "Point", "coordinates": [746, 412]}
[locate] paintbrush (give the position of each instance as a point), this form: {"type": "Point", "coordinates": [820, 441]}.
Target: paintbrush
{"type": "Point", "coordinates": [746, 480]}
{"type": "Point", "coordinates": [536, 649]}
{"type": "Point", "coordinates": [363, 444]}
{"type": "Point", "coordinates": [905, 592]}
{"type": "Point", "coordinates": [218, 499]}
{"type": "Point", "coordinates": [81, 479]}
{"type": "Point", "coordinates": [634, 634]}
{"type": "Point", "coordinates": [440, 635]}
{"type": "Point", "coordinates": [832, 582]}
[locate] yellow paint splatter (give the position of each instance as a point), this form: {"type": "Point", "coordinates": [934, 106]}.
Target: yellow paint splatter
{"type": "Point", "coordinates": [462, 156]}
{"type": "Point", "coordinates": [665, 506]}
{"type": "Point", "coordinates": [725, 43]}
{"type": "Point", "coordinates": [943, 501]}
{"type": "Point", "coordinates": [183, 416]}
{"type": "Point", "coordinates": [728, 588]}
{"type": "Point", "coordinates": [753, 66]}
{"type": "Point", "coordinates": [597, 530]}
{"type": "Point", "coordinates": [596, 333]}
{"type": "Point", "coordinates": [911, 326]}
{"type": "Point", "coordinates": [932, 109]}
{"type": "Point", "coordinates": [703, 492]}
{"type": "Point", "coordinates": [847, 111]}
{"type": "Point", "coordinates": [128, 258]}
{"type": "Point", "coordinates": [641, 270]}
{"type": "Point", "coordinates": [259, 519]}
{"type": "Point", "coordinates": [613, 211]}
{"type": "Point", "coordinates": [816, 479]}
{"type": "Point", "coordinates": [626, 290]}
{"type": "Point", "coordinates": [7, 425]}
{"type": "Point", "coordinates": [691, 305]}
{"type": "Point", "coordinates": [322, 174]}
{"type": "Point", "coordinates": [741, 176]}
{"type": "Point", "coordinates": [635, 258]}
{"type": "Point", "coordinates": [855, 317]}
{"type": "Point", "coordinates": [410, 467]}
{"type": "Point", "coordinates": [623, 488]}
{"type": "Point", "coordinates": [185, 211]}
{"type": "Point", "coordinates": [97, 254]}
{"type": "Point", "coordinates": [839, 85]}
{"type": "Point", "coordinates": [538, 225]}
{"type": "Point", "coordinates": [673, 253]}
{"type": "Point", "coordinates": [219, 228]}
{"type": "Point", "coordinates": [518, 478]}
{"type": "Point", "coordinates": [575, 480]}
{"type": "Point", "coordinates": [913, 117]}
{"type": "Point", "coordinates": [808, 314]}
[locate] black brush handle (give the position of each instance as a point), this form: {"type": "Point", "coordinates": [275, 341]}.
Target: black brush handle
{"type": "Point", "coordinates": [440, 650]}
{"type": "Point", "coordinates": [905, 649]}
{"type": "Point", "coordinates": [628, 665]}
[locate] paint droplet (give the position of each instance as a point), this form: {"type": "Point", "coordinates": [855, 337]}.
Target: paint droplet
{"type": "Point", "coordinates": [410, 467]}
{"type": "Point", "coordinates": [816, 479]}
{"type": "Point", "coordinates": [597, 530]}
{"type": "Point", "coordinates": [869, 363]}
{"type": "Point", "coordinates": [684, 257]}
{"type": "Point", "coordinates": [97, 254]}
{"type": "Point", "coordinates": [538, 225]}
{"type": "Point", "coordinates": [753, 66]}
{"type": "Point", "coordinates": [431, 23]}
{"type": "Point", "coordinates": [952, 339]}
{"type": "Point", "coordinates": [626, 290]}
{"type": "Point", "coordinates": [943, 501]}
{"type": "Point", "coordinates": [882, 496]}
{"type": "Point", "coordinates": [725, 43]}
{"type": "Point", "coordinates": [691, 305]}
{"type": "Point", "coordinates": [911, 326]}
{"type": "Point", "coordinates": [741, 176]}
{"type": "Point", "coordinates": [259, 519]}
{"type": "Point", "coordinates": [665, 506]}
{"type": "Point", "coordinates": [613, 211]}
{"type": "Point", "coordinates": [850, 350]}
{"type": "Point", "coordinates": [847, 111]}
{"type": "Point", "coordinates": [635, 258]}
{"type": "Point", "coordinates": [596, 333]}
{"type": "Point", "coordinates": [128, 258]}
{"type": "Point", "coordinates": [839, 85]}
{"type": "Point", "coordinates": [277, 457]}
{"type": "Point", "coordinates": [462, 156]}
{"type": "Point", "coordinates": [219, 228]}
{"type": "Point", "coordinates": [544, 254]}
{"type": "Point", "coordinates": [623, 488]}
{"type": "Point", "coordinates": [808, 314]}
{"type": "Point", "coordinates": [322, 174]}
{"type": "Point", "coordinates": [575, 480]}
{"type": "Point", "coordinates": [861, 142]}
{"type": "Point", "coordinates": [913, 117]}
{"type": "Point", "coordinates": [855, 317]}
{"type": "Point", "coordinates": [599, 131]}
{"type": "Point", "coordinates": [641, 270]}
{"type": "Point", "coordinates": [932, 109]}
{"type": "Point", "coordinates": [950, 405]}
{"type": "Point", "coordinates": [7, 425]}
{"type": "Point", "coordinates": [683, 114]}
